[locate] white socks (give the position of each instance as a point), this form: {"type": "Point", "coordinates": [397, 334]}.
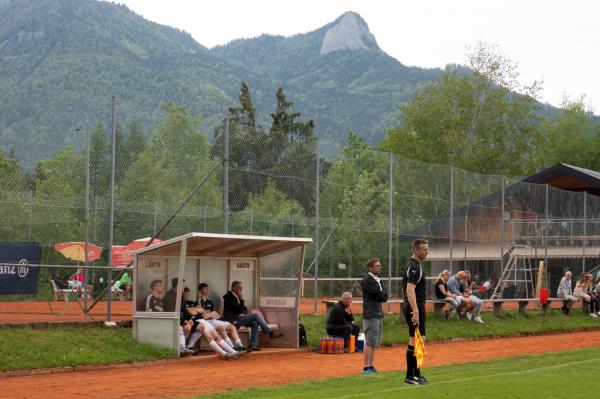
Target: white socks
{"type": "Point", "coordinates": [239, 341]}
{"type": "Point", "coordinates": [181, 339]}
{"type": "Point", "coordinates": [216, 348]}
{"type": "Point", "coordinates": [228, 340]}
{"type": "Point", "coordinates": [194, 338]}
{"type": "Point", "coordinates": [226, 347]}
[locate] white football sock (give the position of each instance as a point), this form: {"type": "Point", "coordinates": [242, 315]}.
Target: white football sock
{"type": "Point", "coordinates": [228, 340]}
{"type": "Point", "coordinates": [238, 342]}
{"type": "Point", "coordinates": [194, 338]}
{"type": "Point", "coordinates": [216, 348]}
{"type": "Point", "coordinates": [181, 339]}
{"type": "Point", "coordinates": [226, 347]}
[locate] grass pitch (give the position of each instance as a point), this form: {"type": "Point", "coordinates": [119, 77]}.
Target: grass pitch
{"type": "Point", "coordinates": [553, 375]}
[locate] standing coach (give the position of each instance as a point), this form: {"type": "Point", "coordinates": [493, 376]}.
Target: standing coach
{"type": "Point", "coordinates": [373, 297]}
{"type": "Point", "coordinates": [415, 295]}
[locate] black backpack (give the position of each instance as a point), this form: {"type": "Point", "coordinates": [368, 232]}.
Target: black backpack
{"type": "Point", "coordinates": [302, 335]}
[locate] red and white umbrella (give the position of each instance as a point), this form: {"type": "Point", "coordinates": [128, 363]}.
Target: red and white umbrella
{"type": "Point", "coordinates": [121, 257]}
{"type": "Point", "coordinates": [76, 251]}
{"type": "Point", "coordinates": [141, 243]}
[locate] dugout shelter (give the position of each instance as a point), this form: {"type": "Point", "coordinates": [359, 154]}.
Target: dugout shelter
{"type": "Point", "coordinates": [270, 269]}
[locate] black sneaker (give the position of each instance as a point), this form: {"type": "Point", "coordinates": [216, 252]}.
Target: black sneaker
{"type": "Point", "coordinates": [240, 348]}
{"type": "Point", "coordinates": [183, 352]}
{"type": "Point", "coordinates": [446, 314]}
{"type": "Point", "coordinates": [565, 310]}
{"type": "Point", "coordinates": [422, 380]}
{"type": "Point", "coordinates": [253, 348]}
{"type": "Point", "coordinates": [412, 381]}
{"type": "Point", "coordinates": [275, 334]}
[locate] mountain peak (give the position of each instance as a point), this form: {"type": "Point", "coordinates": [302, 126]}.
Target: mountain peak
{"type": "Point", "coordinates": [348, 32]}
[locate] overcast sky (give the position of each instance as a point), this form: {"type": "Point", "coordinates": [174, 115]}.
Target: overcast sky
{"type": "Point", "coordinates": [554, 41]}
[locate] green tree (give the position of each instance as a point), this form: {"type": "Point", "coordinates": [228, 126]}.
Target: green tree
{"type": "Point", "coordinates": [58, 202]}
{"type": "Point", "coordinates": [282, 153]}
{"type": "Point", "coordinates": [572, 136]}
{"type": "Point", "coordinates": [164, 173]}
{"type": "Point", "coordinates": [272, 213]}
{"type": "Point", "coordinates": [477, 118]}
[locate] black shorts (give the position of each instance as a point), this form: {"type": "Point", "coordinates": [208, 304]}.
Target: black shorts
{"type": "Point", "coordinates": [407, 310]}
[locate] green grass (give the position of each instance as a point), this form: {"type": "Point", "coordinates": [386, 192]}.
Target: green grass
{"type": "Point", "coordinates": [438, 329]}
{"type": "Point", "coordinates": [25, 348]}
{"type": "Point", "coordinates": [569, 374]}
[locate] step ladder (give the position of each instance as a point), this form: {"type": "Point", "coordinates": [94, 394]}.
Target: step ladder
{"type": "Point", "coordinates": [513, 268]}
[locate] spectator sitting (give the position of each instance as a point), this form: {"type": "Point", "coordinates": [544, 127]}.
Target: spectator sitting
{"type": "Point", "coordinates": [76, 280]}
{"type": "Point", "coordinates": [124, 284]}
{"type": "Point", "coordinates": [582, 291]}
{"type": "Point", "coordinates": [154, 302]}
{"type": "Point", "coordinates": [235, 312]}
{"type": "Point", "coordinates": [170, 299]}
{"type": "Point", "coordinates": [442, 293]}
{"type": "Point", "coordinates": [455, 286]}
{"type": "Point", "coordinates": [596, 292]}
{"type": "Point", "coordinates": [468, 291]}
{"type": "Point", "coordinates": [564, 292]}
{"type": "Point", "coordinates": [340, 322]}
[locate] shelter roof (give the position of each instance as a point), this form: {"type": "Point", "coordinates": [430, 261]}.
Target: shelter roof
{"type": "Point", "coordinates": [226, 245]}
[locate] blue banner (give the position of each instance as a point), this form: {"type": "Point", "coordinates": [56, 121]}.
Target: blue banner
{"type": "Point", "coordinates": [16, 274]}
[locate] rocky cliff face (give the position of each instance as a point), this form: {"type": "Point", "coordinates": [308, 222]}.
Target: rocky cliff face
{"type": "Point", "coordinates": [350, 32]}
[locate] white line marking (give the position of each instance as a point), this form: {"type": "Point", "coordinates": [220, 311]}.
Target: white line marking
{"type": "Point", "coordinates": [402, 388]}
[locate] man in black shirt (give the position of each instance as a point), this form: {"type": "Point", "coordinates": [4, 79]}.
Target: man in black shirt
{"type": "Point", "coordinates": [236, 312]}
{"type": "Point", "coordinates": [154, 302]}
{"type": "Point", "coordinates": [415, 295]}
{"type": "Point", "coordinates": [340, 322]}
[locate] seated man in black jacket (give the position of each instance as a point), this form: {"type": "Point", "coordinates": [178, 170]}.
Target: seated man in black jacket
{"type": "Point", "coordinates": [340, 322]}
{"type": "Point", "coordinates": [235, 312]}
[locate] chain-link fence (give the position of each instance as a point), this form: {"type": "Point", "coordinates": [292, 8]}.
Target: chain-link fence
{"type": "Point", "coordinates": [272, 181]}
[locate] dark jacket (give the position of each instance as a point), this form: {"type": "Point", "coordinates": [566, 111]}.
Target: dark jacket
{"type": "Point", "coordinates": [232, 308]}
{"type": "Point", "coordinates": [338, 316]}
{"type": "Point", "coordinates": [373, 297]}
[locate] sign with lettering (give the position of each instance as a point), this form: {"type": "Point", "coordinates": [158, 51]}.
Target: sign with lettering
{"type": "Point", "coordinates": [242, 264]}
{"type": "Point", "coordinates": [277, 302]}
{"type": "Point", "coordinates": [17, 276]}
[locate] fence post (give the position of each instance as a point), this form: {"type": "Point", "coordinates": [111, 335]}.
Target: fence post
{"type": "Point", "coordinates": [584, 228]}
{"type": "Point", "coordinates": [112, 207]}
{"type": "Point", "coordinates": [397, 250]}
{"type": "Point", "coordinates": [502, 228]}
{"type": "Point", "coordinates": [30, 201]}
{"type": "Point", "coordinates": [390, 229]}
{"type": "Point", "coordinates": [451, 232]}
{"type": "Point", "coordinates": [226, 177]}
{"type": "Point", "coordinates": [465, 240]}
{"type": "Point", "coordinates": [545, 235]}
{"type": "Point", "coordinates": [317, 216]}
